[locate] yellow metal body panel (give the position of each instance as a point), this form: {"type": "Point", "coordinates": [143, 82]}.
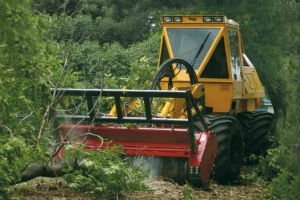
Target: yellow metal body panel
{"type": "Point", "coordinates": [249, 91]}
{"type": "Point", "coordinates": [253, 86]}
{"type": "Point", "coordinates": [218, 96]}
{"type": "Point", "coordinates": [175, 108]}
{"type": "Point", "coordinates": [251, 105]}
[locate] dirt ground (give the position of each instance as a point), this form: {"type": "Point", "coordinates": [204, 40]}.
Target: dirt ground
{"type": "Point", "coordinates": [45, 188]}
{"type": "Point", "coordinates": [56, 189]}
{"type": "Point", "coordinates": [162, 189]}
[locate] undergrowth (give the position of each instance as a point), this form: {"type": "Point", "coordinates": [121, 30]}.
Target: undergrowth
{"type": "Point", "coordinates": [15, 155]}
{"type": "Point", "coordinates": [103, 173]}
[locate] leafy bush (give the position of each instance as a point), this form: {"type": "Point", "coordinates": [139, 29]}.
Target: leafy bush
{"type": "Point", "coordinates": [139, 77]}
{"type": "Point", "coordinates": [27, 65]}
{"type": "Point", "coordinates": [102, 173]}
{"type": "Point", "coordinates": [112, 65]}
{"type": "Point", "coordinates": [285, 186]}
{"type": "Point", "coordinates": [15, 156]}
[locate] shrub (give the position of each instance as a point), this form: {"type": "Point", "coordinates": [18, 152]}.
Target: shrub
{"type": "Point", "coordinates": [15, 156]}
{"type": "Point", "coordinates": [102, 173]}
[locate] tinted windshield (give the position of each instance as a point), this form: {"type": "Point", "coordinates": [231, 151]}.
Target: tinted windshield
{"type": "Point", "coordinates": [186, 42]}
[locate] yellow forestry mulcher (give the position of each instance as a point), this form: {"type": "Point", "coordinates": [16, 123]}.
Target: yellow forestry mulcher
{"type": "Point", "coordinates": [209, 118]}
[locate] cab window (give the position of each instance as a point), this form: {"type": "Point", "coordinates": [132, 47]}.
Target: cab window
{"type": "Point", "coordinates": [217, 65]}
{"type": "Point", "coordinates": [234, 55]}
{"type": "Point", "coordinates": [186, 42]}
{"type": "Point", "coordinates": [164, 52]}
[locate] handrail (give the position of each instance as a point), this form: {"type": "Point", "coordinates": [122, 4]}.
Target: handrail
{"type": "Point", "coordinates": [146, 95]}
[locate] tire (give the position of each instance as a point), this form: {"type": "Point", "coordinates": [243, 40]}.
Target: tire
{"type": "Point", "coordinates": [255, 126]}
{"type": "Point", "coordinates": [230, 147]}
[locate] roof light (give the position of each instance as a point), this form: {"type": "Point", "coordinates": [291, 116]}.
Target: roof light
{"type": "Point", "coordinates": [167, 19]}
{"type": "Point", "coordinates": [177, 19]}
{"type": "Point", "coordinates": [218, 18]}
{"type": "Point", "coordinates": [207, 18]}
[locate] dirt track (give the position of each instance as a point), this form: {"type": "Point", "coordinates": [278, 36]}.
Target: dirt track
{"type": "Point", "coordinates": [160, 189]}
{"type": "Point", "coordinates": [55, 189]}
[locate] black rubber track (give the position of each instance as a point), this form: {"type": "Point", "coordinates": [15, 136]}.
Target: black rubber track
{"type": "Point", "coordinates": [256, 126]}
{"type": "Point", "coordinates": [230, 147]}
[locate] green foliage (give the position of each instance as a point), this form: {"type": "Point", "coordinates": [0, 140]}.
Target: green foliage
{"type": "Point", "coordinates": [285, 156]}
{"type": "Point", "coordinates": [103, 173]}
{"type": "Point", "coordinates": [27, 61]}
{"type": "Point", "coordinates": [107, 21]}
{"type": "Point", "coordinates": [285, 186]}
{"type": "Point", "coordinates": [15, 155]}
{"type": "Point", "coordinates": [29, 67]}
{"type": "Point", "coordinates": [112, 65]}
{"type": "Point", "coordinates": [139, 77]}
{"type": "Point", "coordinates": [187, 193]}
{"type": "Point", "coordinates": [77, 28]}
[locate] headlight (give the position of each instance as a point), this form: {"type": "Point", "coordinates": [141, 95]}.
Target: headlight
{"type": "Point", "coordinates": [207, 18]}
{"type": "Point", "coordinates": [218, 18]}
{"type": "Point", "coordinates": [167, 19]}
{"type": "Point", "coordinates": [177, 19]}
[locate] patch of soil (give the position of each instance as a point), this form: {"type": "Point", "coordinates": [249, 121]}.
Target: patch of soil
{"type": "Point", "coordinates": [159, 188]}
{"type": "Point", "coordinates": [166, 189]}
{"type": "Point", "coordinates": [47, 189]}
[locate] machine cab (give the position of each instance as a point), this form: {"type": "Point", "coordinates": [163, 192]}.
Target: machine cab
{"type": "Point", "coordinates": [213, 47]}
{"type": "Point", "coordinates": [211, 44]}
